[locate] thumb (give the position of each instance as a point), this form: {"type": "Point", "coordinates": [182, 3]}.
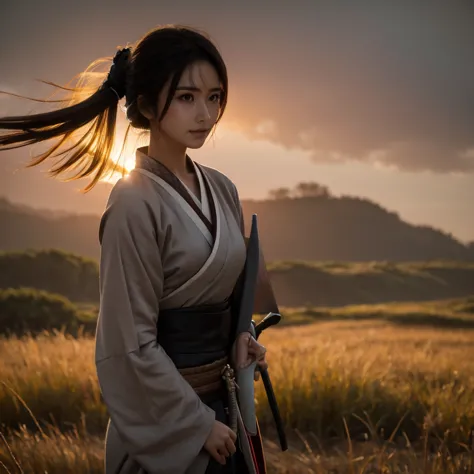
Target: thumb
{"type": "Point", "coordinates": [242, 350]}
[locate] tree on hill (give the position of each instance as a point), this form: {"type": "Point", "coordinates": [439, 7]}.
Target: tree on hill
{"type": "Point", "coordinates": [279, 193]}
{"type": "Point", "coordinates": [311, 189]}
{"type": "Point", "coordinates": [301, 190]}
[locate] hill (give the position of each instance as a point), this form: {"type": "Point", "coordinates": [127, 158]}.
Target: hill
{"type": "Point", "coordinates": [295, 283]}
{"type": "Point", "coordinates": [347, 229]}
{"type": "Point", "coordinates": [321, 228]}
{"type": "Point", "coordinates": [27, 228]}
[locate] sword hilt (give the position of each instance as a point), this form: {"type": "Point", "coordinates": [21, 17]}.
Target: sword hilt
{"type": "Point", "coordinates": [269, 320]}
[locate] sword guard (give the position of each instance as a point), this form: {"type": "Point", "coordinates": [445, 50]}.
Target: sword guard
{"type": "Point", "coordinates": [269, 320]}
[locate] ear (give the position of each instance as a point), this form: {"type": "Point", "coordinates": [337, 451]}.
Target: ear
{"type": "Point", "coordinates": [144, 108]}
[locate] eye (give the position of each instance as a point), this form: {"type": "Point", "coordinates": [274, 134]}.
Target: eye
{"type": "Point", "coordinates": [215, 97]}
{"type": "Point", "coordinates": [186, 97]}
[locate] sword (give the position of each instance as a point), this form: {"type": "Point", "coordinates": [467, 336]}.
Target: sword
{"type": "Point", "coordinates": [250, 278]}
{"type": "Point", "coordinates": [256, 298]}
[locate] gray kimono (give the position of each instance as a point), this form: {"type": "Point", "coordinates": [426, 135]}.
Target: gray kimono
{"type": "Point", "coordinates": [157, 253]}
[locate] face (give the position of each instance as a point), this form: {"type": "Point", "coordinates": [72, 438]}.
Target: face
{"type": "Point", "coordinates": [193, 110]}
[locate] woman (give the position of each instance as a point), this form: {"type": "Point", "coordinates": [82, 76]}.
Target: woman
{"type": "Point", "coordinates": [172, 250]}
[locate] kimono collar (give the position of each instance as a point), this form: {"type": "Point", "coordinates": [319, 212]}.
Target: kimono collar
{"type": "Point", "coordinates": [142, 160]}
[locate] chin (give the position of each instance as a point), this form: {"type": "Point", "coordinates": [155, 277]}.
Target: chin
{"type": "Point", "coordinates": [195, 144]}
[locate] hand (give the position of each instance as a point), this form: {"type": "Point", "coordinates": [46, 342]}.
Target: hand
{"type": "Point", "coordinates": [221, 442]}
{"type": "Point", "coordinates": [248, 351]}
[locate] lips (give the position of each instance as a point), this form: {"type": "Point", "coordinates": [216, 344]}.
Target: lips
{"type": "Point", "coordinates": [202, 130]}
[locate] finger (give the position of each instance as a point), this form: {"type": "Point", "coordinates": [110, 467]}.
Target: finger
{"type": "Point", "coordinates": [218, 457]}
{"type": "Point", "coordinates": [256, 348]}
{"type": "Point", "coordinates": [246, 364]}
{"type": "Point", "coordinates": [232, 435]}
{"type": "Point", "coordinates": [230, 446]}
{"type": "Point", "coordinates": [222, 449]}
{"type": "Point", "coordinates": [256, 376]}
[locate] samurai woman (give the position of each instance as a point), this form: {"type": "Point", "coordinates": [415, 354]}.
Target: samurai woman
{"type": "Point", "coordinates": [172, 251]}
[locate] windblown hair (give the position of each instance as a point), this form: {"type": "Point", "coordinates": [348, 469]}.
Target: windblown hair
{"type": "Point", "coordinates": [160, 56]}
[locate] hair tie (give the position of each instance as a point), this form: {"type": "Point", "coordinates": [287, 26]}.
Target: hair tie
{"type": "Point", "coordinates": [117, 76]}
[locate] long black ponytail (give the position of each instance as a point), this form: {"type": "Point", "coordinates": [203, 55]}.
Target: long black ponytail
{"type": "Point", "coordinates": [91, 153]}
{"type": "Point", "coordinates": [161, 56]}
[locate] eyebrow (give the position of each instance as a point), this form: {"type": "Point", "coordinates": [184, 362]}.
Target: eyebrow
{"type": "Point", "coordinates": [192, 88]}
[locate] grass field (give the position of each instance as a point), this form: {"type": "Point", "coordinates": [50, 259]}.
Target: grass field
{"type": "Point", "coordinates": [448, 313]}
{"type": "Point", "coordinates": [397, 378]}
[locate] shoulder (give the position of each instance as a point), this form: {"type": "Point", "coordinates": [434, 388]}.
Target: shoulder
{"type": "Point", "coordinates": [128, 205]}
{"type": "Point", "coordinates": [125, 197]}
{"type": "Point", "coordinates": [223, 182]}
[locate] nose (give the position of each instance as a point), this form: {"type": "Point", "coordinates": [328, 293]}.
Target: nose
{"type": "Point", "coordinates": [202, 111]}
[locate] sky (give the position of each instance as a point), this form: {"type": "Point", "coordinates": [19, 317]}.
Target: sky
{"type": "Point", "coordinates": [372, 99]}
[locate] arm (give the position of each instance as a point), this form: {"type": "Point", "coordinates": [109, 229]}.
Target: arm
{"type": "Point", "coordinates": [160, 419]}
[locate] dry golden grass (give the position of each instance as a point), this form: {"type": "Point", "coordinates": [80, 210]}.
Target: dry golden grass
{"type": "Point", "coordinates": [368, 378]}
{"type": "Point", "coordinates": [71, 453]}
{"type": "Point", "coordinates": [55, 376]}
{"type": "Point", "coordinates": [330, 370]}
{"type": "Point", "coordinates": [376, 266]}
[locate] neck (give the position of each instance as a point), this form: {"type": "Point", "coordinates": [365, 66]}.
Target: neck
{"type": "Point", "coordinates": [172, 155]}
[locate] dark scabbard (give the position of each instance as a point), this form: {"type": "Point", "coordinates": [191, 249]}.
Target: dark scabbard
{"type": "Point", "coordinates": [267, 383]}
{"type": "Point", "coordinates": [257, 297]}
{"type": "Point", "coordinates": [274, 408]}
{"type": "Point", "coordinates": [250, 277]}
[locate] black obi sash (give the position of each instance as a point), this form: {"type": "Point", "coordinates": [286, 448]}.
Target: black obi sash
{"type": "Point", "coordinates": [195, 336]}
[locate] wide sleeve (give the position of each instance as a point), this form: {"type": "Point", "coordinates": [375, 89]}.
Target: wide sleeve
{"type": "Point", "coordinates": [161, 421]}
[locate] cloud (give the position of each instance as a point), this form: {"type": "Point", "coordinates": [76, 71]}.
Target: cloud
{"type": "Point", "coordinates": [392, 85]}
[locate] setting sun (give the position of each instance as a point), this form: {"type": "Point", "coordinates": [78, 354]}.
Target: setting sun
{"type": "Point", "coordinates": [123, 154]}
{"type": "Point", "coordinates": [124, 167]}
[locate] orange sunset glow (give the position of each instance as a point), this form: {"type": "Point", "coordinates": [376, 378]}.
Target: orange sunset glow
{"type": "Point", "coordinates": [339, 96]}
{"type": "Point", "coordinates": [298, 297]}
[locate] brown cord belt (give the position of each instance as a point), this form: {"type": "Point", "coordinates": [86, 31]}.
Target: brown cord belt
{"type": "Point", "coordinates": [205, 378]}
{"type": "Point", "coordinates": [208, 378]}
